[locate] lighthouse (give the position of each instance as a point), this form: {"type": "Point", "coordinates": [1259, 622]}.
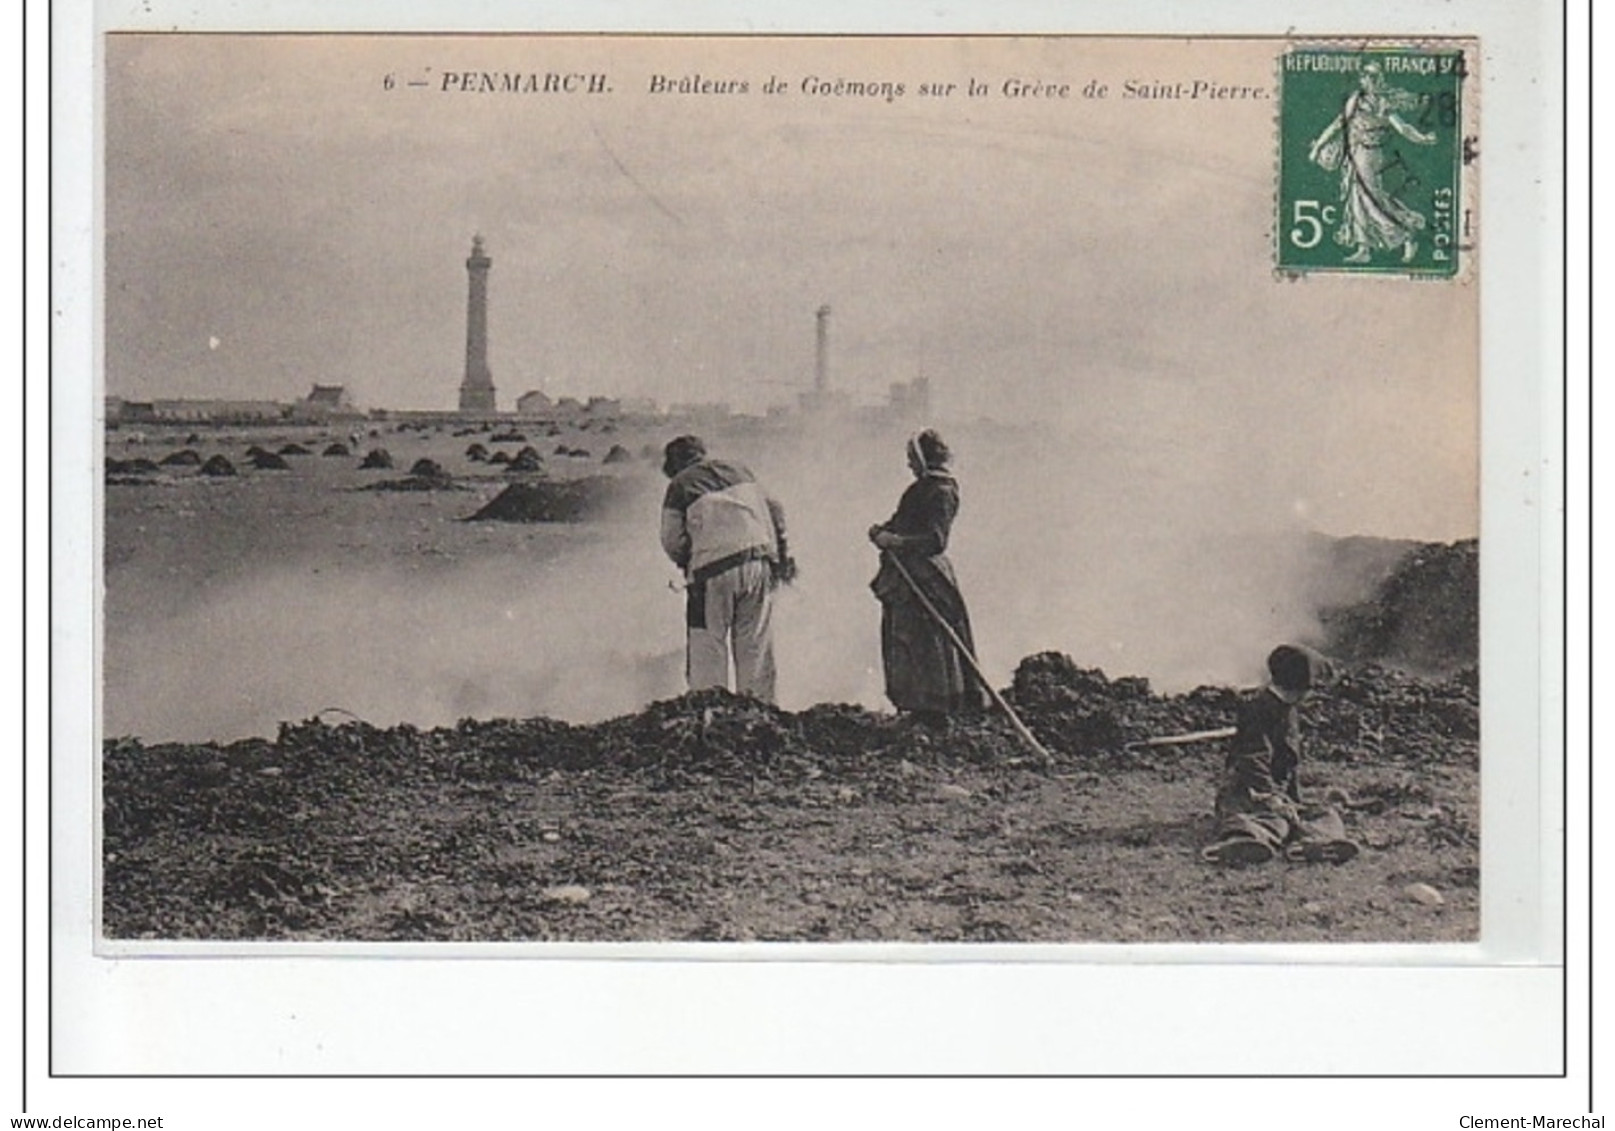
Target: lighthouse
{"type": "Point", "coordinates": [477, 391]}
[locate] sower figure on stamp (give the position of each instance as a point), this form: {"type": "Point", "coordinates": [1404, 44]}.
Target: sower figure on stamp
{"type": "Point", "coordinates": [1356, 143]}
{"type": "Point", "coordinates": [728, 537]}
{"type": "Point", "coordinates": [1260, 811]}
{"type": "Point", "coordinates": [925, 673]}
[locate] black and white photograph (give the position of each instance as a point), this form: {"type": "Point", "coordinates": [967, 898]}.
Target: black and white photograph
{"type": "Point", "coordinates": [780, 490]}
{"type": "Point", "coordinates": [949, 564]}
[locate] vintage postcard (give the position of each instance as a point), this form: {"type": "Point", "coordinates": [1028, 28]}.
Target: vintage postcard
{"type": "Point", "coordinates": [724, 547]}
{"type": "Point", "coordinates": [629, 489]}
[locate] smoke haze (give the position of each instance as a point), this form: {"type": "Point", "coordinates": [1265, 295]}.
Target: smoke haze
{"type": "Point", "coordinates": [1126, 557]}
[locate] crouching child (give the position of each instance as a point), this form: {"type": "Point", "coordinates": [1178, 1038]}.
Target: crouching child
{"type": "Point", "coordinates": [1260, 811]}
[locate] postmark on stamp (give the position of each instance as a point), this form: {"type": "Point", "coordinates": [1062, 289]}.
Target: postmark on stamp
{"type": "Point", "coordinates": [1370, 159]}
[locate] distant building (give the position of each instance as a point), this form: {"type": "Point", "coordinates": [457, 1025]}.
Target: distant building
{"type": "Point", "coordinates": [325, 402]}
{"type": "Point", "coordinates": [911, 400]}
{"type": "Point", "coordinates": [185, 411]}
{"type": "Point", "coordinates": [120, 411]}
{"type": "Point", "coordinates": [640, 406]}
{"type": "Point", "coordinates": [333, 397]}
{"type": "Point", "coordinates": [534, 403]}
{"type": "Point", "coordinates": [824, 401]}
{"type": "Point", "coordinates": [708, 410]}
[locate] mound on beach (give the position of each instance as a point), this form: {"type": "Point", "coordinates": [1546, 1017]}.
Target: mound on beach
{"type": "Point", "coordinates": [618, 454]}
{"type": "Point", "coordinates": [576, 500]}
{"type": "Point", "coordinates": [507, 438]}
{"type": "Point", "coordinates": [185, 457]}
{"type": "Point", "coordinates": [217, 466]}
{"type": "Point", "coordinates": [1424, 616]}
{"type": "Point", "coordinates": [527, 459]}
{"type": "Point", "coordinates": [424, 475]}
{"type": "Point", "coordinates": [376, 459]}
{"type": "Point", "coordinates": [476, 453]}
{"type": "Point", "coordinates": [499, 457]}
{"type": "Point", "coordinates": [131, 467]}
{"type": "Point", "coordinates": [256, 450]}
{"type": "Point", "coordinates": [336, 449]}
{"type": "Point", "coordinates": [269, 461]}
{"type": "Point", "coordinates": [294, 450]}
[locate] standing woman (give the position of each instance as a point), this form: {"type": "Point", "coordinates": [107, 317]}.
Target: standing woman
{"type": "Point", "coordinates": [925, 673]}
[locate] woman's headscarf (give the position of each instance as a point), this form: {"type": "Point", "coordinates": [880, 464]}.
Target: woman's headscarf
{"type": "Point", "coordinates": [929, 451]}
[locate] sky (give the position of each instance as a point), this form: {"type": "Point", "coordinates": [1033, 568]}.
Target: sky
{"type": "Point", "coordinates": [275, 216]}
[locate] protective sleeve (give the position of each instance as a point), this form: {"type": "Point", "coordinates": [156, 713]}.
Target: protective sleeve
{"type": "Point", "coordinates": [924, 529]}
{"type": "Point", "coordinates": [675, 537]}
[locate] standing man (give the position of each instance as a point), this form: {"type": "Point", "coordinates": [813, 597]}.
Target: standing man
{"type": "Point", "coordinates": [721, 528]}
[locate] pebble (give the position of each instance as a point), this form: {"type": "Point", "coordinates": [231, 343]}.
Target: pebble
{"type": "Point", "coordinates": [1076, 897]}
{"type": "Point", "coordinates": [567, 893]}
{"type": "Point", "coordinates": [549, 836]}
{"type": "Point", "coordinates": [271, 771]}
{"type": "Point", "coordinates": [1425, 894]}
{"type": "Point", "coordinates": [948, 789]}
{"type": "Point", "coordinates": [1313, 907]}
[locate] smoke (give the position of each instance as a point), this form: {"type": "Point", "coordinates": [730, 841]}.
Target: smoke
{"type": "Point", "coordinates": [1125, 555]}
{"type": "Point", "coordinates": [1130, 559]}
{"type": "Point", "coordinates": [582, 633]}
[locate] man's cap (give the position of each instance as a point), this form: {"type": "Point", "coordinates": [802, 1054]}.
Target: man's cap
{"type": "Point", "coordinates": [1295, 667]}
{"type": "Point", "coordinates": [681, 452]}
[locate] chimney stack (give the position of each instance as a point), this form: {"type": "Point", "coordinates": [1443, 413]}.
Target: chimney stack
{"type": "Point", "coordinates": [821, 359]}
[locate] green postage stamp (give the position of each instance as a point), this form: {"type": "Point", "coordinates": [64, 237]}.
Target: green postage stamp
{"type": "Point", "coordinates": [1371, 151]}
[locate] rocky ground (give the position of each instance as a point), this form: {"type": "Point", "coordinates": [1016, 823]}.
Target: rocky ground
{"type": "Point", "coordinates": [709, 817]}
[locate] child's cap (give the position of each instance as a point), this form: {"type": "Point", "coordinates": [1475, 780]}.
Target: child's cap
{"type": "Point", "coordinates": [1295, 667]}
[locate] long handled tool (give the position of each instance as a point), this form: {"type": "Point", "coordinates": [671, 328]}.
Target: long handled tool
{"type": "Point", "coordinates": [1180, 739]}
{"type": "Point", "coordinates": [1026, 735]}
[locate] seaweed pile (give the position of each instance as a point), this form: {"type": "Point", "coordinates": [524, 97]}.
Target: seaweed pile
{"type": "Point", "coordinates": [1083, 717]}
{"type": "Point", "coordinates": [283, 837]}
{"type": "Point", "coordinates": [424, 475]}
{"type": "Point", "coordinates": [1424, 616]}
{"type": "Point", "coordinates": [554, 500]}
